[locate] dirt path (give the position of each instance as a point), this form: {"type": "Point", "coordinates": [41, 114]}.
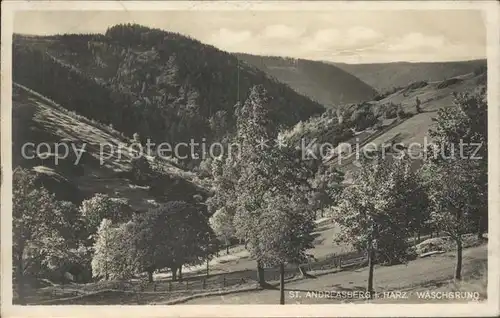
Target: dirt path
{"type": "Point", "coordinates": [430, 271]}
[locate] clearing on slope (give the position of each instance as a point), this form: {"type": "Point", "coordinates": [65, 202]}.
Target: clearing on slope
{"type": "Point", "coordinates": [38, 120]}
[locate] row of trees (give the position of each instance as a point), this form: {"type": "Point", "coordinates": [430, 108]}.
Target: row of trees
{"type": "Point", "coordinates": [391, 201]}
{"type": "Point", "coordinates": [102, 237]}
{"type": "Point", "coordinates": [262, 198]}
{"type": "Point", "coordinates": [171, 235]}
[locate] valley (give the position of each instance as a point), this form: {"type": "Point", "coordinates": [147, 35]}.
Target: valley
{"type": "Point", "coordinates": [105, 223]}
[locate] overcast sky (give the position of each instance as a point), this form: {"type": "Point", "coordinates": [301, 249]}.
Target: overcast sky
{"type": "Point", "coordinates": [340, 36]}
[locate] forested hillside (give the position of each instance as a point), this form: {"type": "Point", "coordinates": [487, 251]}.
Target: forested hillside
{"type": "Point", "coordinates": [322, 82]}
{"type": "Point", "coordinates": [159, 84]}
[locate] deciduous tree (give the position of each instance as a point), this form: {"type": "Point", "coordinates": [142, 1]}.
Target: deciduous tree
{"type": "Point", "coordinates": [222, 224]}
{"type": "Point", "coordinates": [100, 207]}
{"type": "Point", "coordinates": [461, 132]}
{"type": "Point", "coordinates": [372, 213]}
{"type": "Point", "coordinates": [452, 190]}
{"type": "Point", "coordinates": [36, 227]}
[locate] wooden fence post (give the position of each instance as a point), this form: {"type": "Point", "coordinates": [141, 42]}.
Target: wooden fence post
{"type": "Point", "coordinates": [187, 284]}
{"type": "Point", "coordinates": [204, 282]}
{"type": "Point", "coordinates": [223, 281]}
{"type": "Point", "coordinates": [340, 262]}
{"type": "Point", "coordinates": [169, 286]}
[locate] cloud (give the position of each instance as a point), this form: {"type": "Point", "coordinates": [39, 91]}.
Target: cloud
{"type": "Point", "coordinates": [281, 31]}
{"type": "Point", "coordinates": [229, 39]}
{"type": "Point", "coordinates": [416, 41]}
{"type": "Point", "coordinates": [321, 40]}
{"type": "Point", "coordinates": [357, 44]}
{"type": "Point", "coordinates": [361, 34]}
{"type": "Point", "coordinates": [335, 39]}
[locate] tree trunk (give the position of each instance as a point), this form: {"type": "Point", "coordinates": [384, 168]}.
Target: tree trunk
{"type": "Point", "coordinates": [227, 249]}
{"type": "Point", "coordinates": [208, 273]}
{"type": "Point", "coordinates": [20, 280]}
{"type": "Point", "coordinates": [480, 228]}
{"type": "Point", "coordinates": [180, 272]}
{"type": "Point", "coordinates": [458, 268]}
{"type": "Point", "coordinates": [371, 263]}
{"type": "Point", "coordinates": [302, 271]}
{"type": "Point", "coordinates": [150, 276]}
{"type": "Point", "coordinates": [260, 275]}
{"type": "Point", "coordinates": [282, 284]}
{"type": "Point", "coordinates": [174, 273]}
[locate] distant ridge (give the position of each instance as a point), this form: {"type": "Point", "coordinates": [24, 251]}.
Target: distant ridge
{"type": "Point", "coordinates": [322, 82]}
{"type": "Point", "coordinates": [385, 76]}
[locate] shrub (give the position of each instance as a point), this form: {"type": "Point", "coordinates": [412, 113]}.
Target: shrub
{"type": "Point", "coordinates": [141, 172]}
{"type": "Point", "coordinates": [449, 82]}
{"type": "Point", "coordinates": [363, 118]}
{"type": "Point", "coordinates": [205, 168]}
{"type": "Point", "coordinates": [383, 95]}
{"type": "Point", "coordinates": [403, 115]}
{"type": "Point", "coordinates": [388, 111]}
{"type": "Point", "coordinates": [416, 85]}
{"type": "Point", "coordinates": [100, 207]}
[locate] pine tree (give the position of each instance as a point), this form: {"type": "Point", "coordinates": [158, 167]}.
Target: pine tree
{"type": "Point", "coordinates": [272, 213]}
{"type": "Point", "coordinates": [417, 105]}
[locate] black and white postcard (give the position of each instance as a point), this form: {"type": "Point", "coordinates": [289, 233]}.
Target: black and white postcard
{"type": "Point", "coordinates": [317, 158]}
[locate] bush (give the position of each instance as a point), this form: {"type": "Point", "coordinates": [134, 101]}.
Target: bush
{"type": "Point", "coordinates": [416, 85]}
{"type": "Point", "coordinates": [205, 168]}
{"type": "Point", "coordinates": [141, 171]}
{"type": "Point", "coordinates": [446, 243]}
{"type": "Point", "coordinates": [449, 82]}
{"type": "Point", "coordinates": [363, 118]}
{"type": "Point", "coordinates": [100, 207]}
{"type": "Point", "coordinates": [388, 111]}
{"type": "Point", "coordinates": [383, 95]}
{"type": "Point", "coordinates": [403, 115]}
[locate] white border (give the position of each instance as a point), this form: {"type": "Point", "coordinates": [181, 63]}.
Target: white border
{"type": "Point", "coordinates": [490, 308]}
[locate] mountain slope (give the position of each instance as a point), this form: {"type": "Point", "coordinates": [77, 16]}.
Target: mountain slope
{"type": "Point", "coordinates": [38, 120]}
{"type": "Point", "coordinates": [322, 82]}
{"type": "Point", "coordinates": [372, 122]}
{"type": "Point", "coordinates": [159, 84]}
{"type": "Point", "coordinates": [385, 76]}
{"type": "Point", "coordinates": [413, 130]}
